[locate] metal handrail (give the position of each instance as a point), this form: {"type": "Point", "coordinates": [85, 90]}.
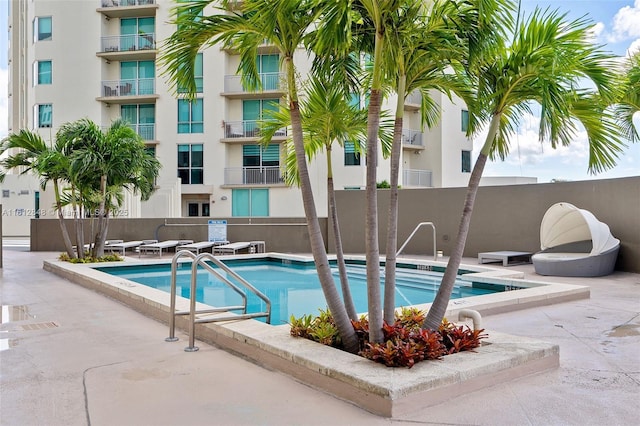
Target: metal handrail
{"type": "Point", "coordinates": [200, 260]}
{"type": "Point", "coordinates": [435, 253]}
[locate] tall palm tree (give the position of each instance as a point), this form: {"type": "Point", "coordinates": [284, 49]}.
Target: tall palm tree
{"type": "Point", "coordinates": [629, 105]}
{"type": "Point", "coordinates": [545, 64]}
{"type": "Point", "coordinates": [50, 163]}
{"type": "Point", "coordinates": [424, 51]}
{"type": "Point", "coordinates": [284, 24]}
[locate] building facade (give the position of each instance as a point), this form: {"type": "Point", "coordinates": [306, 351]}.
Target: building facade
{"type": "Point", "coordinates": [99, 59]}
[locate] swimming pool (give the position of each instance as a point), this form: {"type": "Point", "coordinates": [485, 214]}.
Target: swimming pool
{"type": "Point", "coordinates": [293, 287]}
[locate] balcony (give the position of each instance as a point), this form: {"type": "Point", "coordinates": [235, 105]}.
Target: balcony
{"type": "Point", "coordinates": [255, 175]}
{"type": "Point", "coordinates": [146, 131]}
{"type": "Point", "coordinates": [271, 87]}
{"type": "Point", "coordinates": [416, 178]}
{"type": "Point", "coordinates": [127, 8]}
{"type": "Point", "coordinates": [128, 47]}
{"type": "Point", "coordinates": [413, 101]}
{"type": "Point", "coordinates": [412, 139]}
{"type": "Point", "coordinates": [247, 130]}
{"type": "Point", "coordinates": [131, 91]}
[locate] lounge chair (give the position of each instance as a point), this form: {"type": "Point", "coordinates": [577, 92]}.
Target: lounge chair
{"type": "Point", "coordinates": [121, 246]}
{"type": "Point", "coordinates": [201, 245]}
{"type": "Point", "coordinates": [234, 248]}
{"type": "Point", "coordinates": [162, 245]}
{"type": "Point", "coordinates": [574, 244]}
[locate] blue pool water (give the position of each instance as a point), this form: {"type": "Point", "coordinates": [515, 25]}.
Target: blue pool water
{"type": "Point", "coordinates": [294, 289]}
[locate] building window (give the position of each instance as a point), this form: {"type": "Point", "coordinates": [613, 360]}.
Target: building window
{"type": "Point", "coordinates": [141, 118]}
{"type": "Point", "coordinates": [466, 161]}
{"type": "Point", "coordinates": [351, 156]}
{"type": "Point", "coordinates": [137, 78]}
{"type": "Point", "coordinates": [6, 193]}
{"type": "Point", "coordinates": [190, 164]}
{"type": "Point", "coordinates": [137, 33]}
{"type": "Point", "coordinates": [205, 209]}
{"type": "Point", "coordinates": [190, 116]}
{"type": "Point", "coordinates": [42, 28]}
{"type": "Point", "coordinates": [464, 122]}
{"type": "Point", "coordinates": [193, 209]}
{"type": "Point", "coordinates": [198, 74]}
{"type": "Point", "coordinates": [255, 110]}
{"type": "Point", "coordinates": [250, 202]}
{"type": "Point", "coordinates": [41, 72]}
{"type": "Point", "coordinates": [269, 70]}
{"type": "Point", "coordinates": [42, 114]}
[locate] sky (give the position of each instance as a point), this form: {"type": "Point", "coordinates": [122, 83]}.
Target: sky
{"type": "Point", "coordinates": [616, 27]}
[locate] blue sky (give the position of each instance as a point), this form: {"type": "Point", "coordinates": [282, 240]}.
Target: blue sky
{"type": "Point", "coordinates": [616, 25]}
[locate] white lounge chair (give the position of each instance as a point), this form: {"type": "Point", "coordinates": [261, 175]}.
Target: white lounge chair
{"type": "Point", "coordinates": [232, 248]}
{"type": "Point", "coordinates": [162, 245]}
{"type": "Point", "coordinates": [121, 247]}
{"type": "Point", "coordinates": [201, 245]}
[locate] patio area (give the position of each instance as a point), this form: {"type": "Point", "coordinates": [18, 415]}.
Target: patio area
{"type": "Point", "coordinates": [72, 356]}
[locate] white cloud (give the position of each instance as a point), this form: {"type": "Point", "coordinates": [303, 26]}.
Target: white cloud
{"type": "Point", "coordinates": [597, 30]}
{"type": "Point", "coordinates": [626, 23]}
{"type": "Point", "coordinates": [634, 47]}
{"type": "Point", "coordinates": [4, 103]}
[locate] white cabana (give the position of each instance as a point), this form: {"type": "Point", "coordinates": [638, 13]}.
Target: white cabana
{"type": "Point", "coordinates": [564, 223]}
{"type": "Point", "coordinates": [575, 243]}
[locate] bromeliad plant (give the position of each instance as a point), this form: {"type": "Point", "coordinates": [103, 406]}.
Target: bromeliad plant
{"type": "Point", "coordinates": [405, 342]}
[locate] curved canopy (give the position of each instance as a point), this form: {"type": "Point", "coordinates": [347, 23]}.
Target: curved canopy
{"type": "Point", "coordinates": [564, 223]}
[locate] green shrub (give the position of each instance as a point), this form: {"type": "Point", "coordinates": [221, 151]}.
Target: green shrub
{"type": "Point", "coordinates": [88, 259]}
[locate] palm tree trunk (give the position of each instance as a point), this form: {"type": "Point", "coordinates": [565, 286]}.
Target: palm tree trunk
{"type": "Point", "coordinates": [441, 302]}
{"type": "Point", "coordinates": [101, 235]}
{"type": "Point", "coordinates": [336, 307]}
{"type": "Point", "coordinates": [68, 246]}
{"type": "Point", "coordinates": [392, 219]}
{"type": "Point", "coordinates": [371, 222]}
{"type": "Point", "coordinates": [342, 268]}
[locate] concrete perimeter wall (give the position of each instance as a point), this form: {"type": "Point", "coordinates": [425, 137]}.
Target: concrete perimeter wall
{"type": "Point", "coordinates": [281, 234]}
{"type": "Point", "coordinates": [504, 218]}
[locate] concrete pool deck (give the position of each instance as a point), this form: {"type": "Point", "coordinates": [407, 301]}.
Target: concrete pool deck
{"type": "Point", "coordinates": [77, 357]}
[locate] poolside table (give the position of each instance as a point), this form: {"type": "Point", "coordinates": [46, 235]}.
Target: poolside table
{"type": "Point", "coordinates": [508, 258]}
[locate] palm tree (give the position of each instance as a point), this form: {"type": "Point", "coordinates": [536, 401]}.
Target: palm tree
{"type": "Point", "coordinates": [48, 162]}
{"type": "Point", "coordinates": [284, 24]}
{"type": "Point", "coordinates": [545, 63]}
{"type": "Point", "coordinates": [629, 104]}
{"type": "Point", "coordinates": [104, 164]}
{"type": "Point", "coordinates": [425, 49]}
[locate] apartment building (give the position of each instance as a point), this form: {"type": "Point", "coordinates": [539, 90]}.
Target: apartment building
{"type": "Point", "coordinates": [99, 59]}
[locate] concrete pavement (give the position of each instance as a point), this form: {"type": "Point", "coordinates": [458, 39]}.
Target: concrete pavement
{"type": "Point", "coordinates": [73, 357]}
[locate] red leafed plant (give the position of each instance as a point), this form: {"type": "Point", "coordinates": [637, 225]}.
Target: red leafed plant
{"type": "Point", "coordinates": [405, 342]}
{"type": "Point", "coordinates": [460, 338]}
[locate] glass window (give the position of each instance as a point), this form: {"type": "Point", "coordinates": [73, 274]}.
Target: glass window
{"type": "Point", "coordinates": [193, 209]}
{"type": "Point", "coordinates": [190, 116]}
{"type": "Point", "coordinates": [351, 156]}
{"type": "Point", "coordinates": [43, 115]}
{"type": "Point", "coordinates": [137, 77]}
{"type": "Point", "coordinates": [269, 68]}
{"type": "Point", "coordinates": [137, 33]}
{"type": "Point", "coordinates": [250, 202]}
{"type": "Point", "coordinates": [466, 161]}
{"type": "Point", "coordinates": [205, 209]}
{"type": "Point", "coordinates": [464, 120]}
{"type": "Point", "coordinates": [141, 118]}
{"type": "Point", "coordinates": [198, 73]}
{"type": "Point", "coordinates": [42, 28]}
{"type": "Point", "coordinates": [191, 164]}
{"type": "Point", "coordinates": [42, 70]}
{"type": "Point", "coordinates": [257, 155]}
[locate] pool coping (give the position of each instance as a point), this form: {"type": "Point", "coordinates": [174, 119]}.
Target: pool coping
{"type": "Point", "coordinates": [389, 392]}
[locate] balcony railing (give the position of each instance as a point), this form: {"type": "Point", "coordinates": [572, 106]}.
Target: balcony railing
{"type": "Point", "coordinates": [146, 131]}
{"type": "Point", "coordinates": [255, 175]}
{"type": "Point", "coordinates": [246, 129]}
{"type": "Point", "coordinates": [131, 87]}
{"type": "Point", "coordinates": [412, 177]}
{"type": "Point", "coordinates": [128, 43]}
{"type": "Point", "coordinates": [270, 82]}
{"type": "Point", "coordinates": [412, 137]}
{"type": "Point", "coordinates": [124, 3]}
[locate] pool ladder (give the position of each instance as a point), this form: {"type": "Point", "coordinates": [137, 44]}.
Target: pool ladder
{"type": "Point", "coordinates": [421, 224]}
{"type": "Point", "coordinates": [201, 260]}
